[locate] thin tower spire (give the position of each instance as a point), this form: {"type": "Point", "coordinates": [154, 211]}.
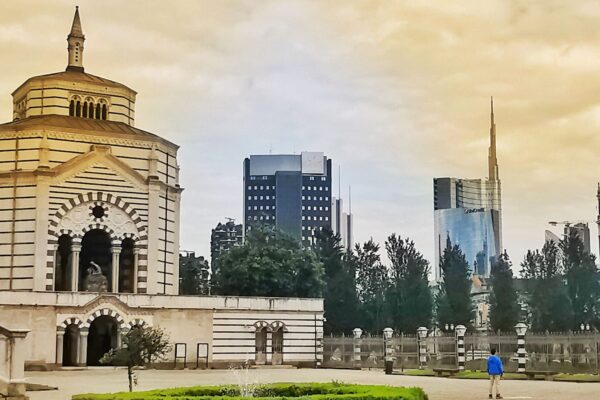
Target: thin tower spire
{"type": "Point", "coordinates": [492, 160]}
{"type": "Point", "coordinates": [75, 41]}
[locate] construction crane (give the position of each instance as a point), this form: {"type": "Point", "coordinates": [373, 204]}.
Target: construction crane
{"type": "Point", "coordinates": [569, 223]}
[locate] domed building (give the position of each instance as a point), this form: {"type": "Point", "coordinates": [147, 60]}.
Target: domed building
{"type": "Point", "coordinates": [89, 236]}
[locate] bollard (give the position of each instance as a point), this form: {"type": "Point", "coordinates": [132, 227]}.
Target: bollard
{"type": "Point", "coordinates": [521, 329]}
{"type": "Point", "coordinates": [356, 341]}
{"type": "Point", "coordinates": [389, 351]}
{"type": "Point", "coordinates": [422, 346]}
{"type": "Point", "coordinates": [460, 346]}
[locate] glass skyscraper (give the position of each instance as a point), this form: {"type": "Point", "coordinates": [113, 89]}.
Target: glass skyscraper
{"type": "Point", "coordinates": [468, 212]}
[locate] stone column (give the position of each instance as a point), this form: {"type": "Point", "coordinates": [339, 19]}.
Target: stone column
{"type": "Point", "coordinates": [357, 342]}
{"type": "Point", "coordinates": [116, 252]}
{"type": "Point", "coordinates": [136, 254]}
{"type": "Point", "coordinates": [83, 342]}
{"type": "Point", "coordinates": [521, 329]}
{"type": "Point", "coordinates": [75, 250]}
{"type": "Point", "coordinates": [460, 346]}
{"type": "Point", "coordinates": [60, 340]}
{"type": "Point", "coordinates": [16, 382]}
{"type": "Point", "coordinates": [389, 350]}
{"type": "Point", "coordinates": [422, 346]}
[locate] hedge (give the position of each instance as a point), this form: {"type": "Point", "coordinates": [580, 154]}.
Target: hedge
{"type": "Point", "coordinates": [278, 391]}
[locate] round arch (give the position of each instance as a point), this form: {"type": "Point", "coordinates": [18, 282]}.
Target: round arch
{"type": "Point", "coordinates": [108, 312]}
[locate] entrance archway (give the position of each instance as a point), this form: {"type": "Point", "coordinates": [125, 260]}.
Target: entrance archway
{"type": "Point", "coordinates": [260, 356]}
{"type": "Point", "coordinates": [277, 347]}
{"type": "Point", "coordinates": [95, 247]}
{"type": "Point", "coordinates": [102, 338]}
{"type": "Point", "coordinates": [70, 346]}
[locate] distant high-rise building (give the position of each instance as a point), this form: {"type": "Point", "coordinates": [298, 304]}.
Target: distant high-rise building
{"type": "Point", "coordinates": [468, 212]}
{"type": "Point", "coordinates": [223, 237]}
{"type": "Point", "coordinates": [290, 191]}
{"type": "Point", "coordinates": [582, 230]}
{"type": "Point", "coordinates": [342, 223]}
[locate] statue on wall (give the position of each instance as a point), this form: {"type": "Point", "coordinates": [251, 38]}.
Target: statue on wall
{"type": "Point", "coordinates": [95, 281]}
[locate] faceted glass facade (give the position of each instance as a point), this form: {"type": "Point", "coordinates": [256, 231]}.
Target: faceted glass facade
{"type": "Point", "coordinates": [474, 230]}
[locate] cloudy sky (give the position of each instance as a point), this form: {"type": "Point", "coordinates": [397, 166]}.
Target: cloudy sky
{"type": "Point", "coordinates": [396, 92]}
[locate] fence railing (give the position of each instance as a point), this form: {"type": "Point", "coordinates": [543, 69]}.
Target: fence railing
{"type": "Point", "coordinates": [568, 352]}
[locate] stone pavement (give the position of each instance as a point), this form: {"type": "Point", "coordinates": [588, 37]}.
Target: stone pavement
{"type": "Point", "coordinates": [108, 379]}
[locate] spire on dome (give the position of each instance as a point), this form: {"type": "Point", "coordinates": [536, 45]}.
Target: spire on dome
{"type": "Point", "coordinates": [76, 27]}
{"type": "Point", "coordinates": [75, 40]}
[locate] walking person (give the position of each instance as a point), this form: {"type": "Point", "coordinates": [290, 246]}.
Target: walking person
{"type": "Point", "coordinates": [495, 370]}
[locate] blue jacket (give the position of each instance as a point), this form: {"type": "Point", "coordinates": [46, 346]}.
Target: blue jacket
{"type": "Point", "coordinates": [494, 366]}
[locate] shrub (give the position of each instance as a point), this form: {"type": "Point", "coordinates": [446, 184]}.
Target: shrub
{"type": "Point", "coordinates": [278, 391]}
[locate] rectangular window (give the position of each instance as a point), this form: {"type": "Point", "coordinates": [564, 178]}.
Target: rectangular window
{"type": "Point", "coordinates": [255, 197]}
{"type": "Point", "coordinates": [326, 198]}
{"type": "Point", "coordinates": [261, 207]}
{"type": "Point", "coordinates": [261, 197]}
{"type": "Point", "coordinates": [255, 187]}
{"type": "Point", "coordinates": [303, 187]}
{"type": "Point", "coordinates": [326, 218]}
{"type": "Point", "coordinates": [323, 179]}
{"type": "Point", "coordinates": [315, 188]}
{"type": "Point", "coordinates": [303, 198]}
{"type": "Point", "coordinates": [303, 217]}
{"type": "Point", "coordinates": [326, 208]}
{"type": "Point", "coordinates": [249, 187]}
{"type": "Point", "coordinates": [267, 197]}
{"type": "Point", "coordinates": [303, 208]}
{"type": "Point", "coordinates": [267, 207]}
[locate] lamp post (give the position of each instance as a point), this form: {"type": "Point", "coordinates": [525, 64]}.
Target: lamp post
{"type": "Point", "coordinates": [460, 346]}
{"type": "Point", "coordinates": [389, 358]}
{"type": "Point", "coordinates": [521, 329]}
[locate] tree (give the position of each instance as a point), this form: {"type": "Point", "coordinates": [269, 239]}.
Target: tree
{"type": "Point", "coordinates": [340, 286]}
{"type": "Point", "coordinates": [140, 346]}
{"type": "Point", "coordinates": [193, 275]}
{"type": "Point", "coordinates": [408, 297]}
{"type": "Point", "coordinates": [453, 300]}
{"type": "Point", "coordinates": [504, 305]}
{"type": "Point", "coordinates": [548, 302]}
{"type": "Point", "coordinates": [270, 263]}
{"type": "Point", "coordinates": [583, 280]}
{"type": "Point", "coordinates": [372, 279]}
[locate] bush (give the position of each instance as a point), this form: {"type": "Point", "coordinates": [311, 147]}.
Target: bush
{"type": "Point", "coordinates": [279, 391]}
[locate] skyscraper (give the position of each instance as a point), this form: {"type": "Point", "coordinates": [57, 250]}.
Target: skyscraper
{"type": "Point", "coordinates": [342, 223]}
{"type": "Point", "coordinates": [222, 238]}
{"type": "Point", "coordinates": [468, 212]}
{"type": "Point", "coordinates": [289, 191]}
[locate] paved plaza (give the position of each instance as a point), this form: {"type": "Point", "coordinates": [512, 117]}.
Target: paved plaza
{"type": "Point", "coordinates": [110, 380]}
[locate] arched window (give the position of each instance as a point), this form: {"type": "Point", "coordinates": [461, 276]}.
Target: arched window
{"type": "Point", "coordinates": [98, 111]}
{"type": "Point", "coordinates": [85, 109]}
{"type": "Point", "coordinates": [62, 266]}
{"type": "Point", "coordinates": [78, 109]}
{"type": "Point", "coordinates": [104, 112]}
{"type": "Point", "coordinates": [72, 108]}
{"type": "Point", "coordinates": [126, 267]}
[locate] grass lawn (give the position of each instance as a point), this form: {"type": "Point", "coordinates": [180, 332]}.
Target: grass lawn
{"type": "Point", "coordinates": [277, 391]}
{"type": "Point", "coordinates": [577, 378]}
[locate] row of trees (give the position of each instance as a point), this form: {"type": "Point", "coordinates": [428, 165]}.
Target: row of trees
{"type": "Point", "coordinates": [558, 291]}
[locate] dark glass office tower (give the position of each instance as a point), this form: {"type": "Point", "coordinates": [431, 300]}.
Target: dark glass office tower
{"type": "Point", "coordinates": [289, 191]}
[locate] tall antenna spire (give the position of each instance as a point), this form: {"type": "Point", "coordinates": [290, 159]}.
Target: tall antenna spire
{"type": "Point", "coordinates": [492, 160]}
{"type": "Point", "coordinates": [75, 41]}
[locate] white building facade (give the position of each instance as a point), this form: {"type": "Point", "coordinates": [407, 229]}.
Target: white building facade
{"type": "Point", "coordinates": [89, 235]}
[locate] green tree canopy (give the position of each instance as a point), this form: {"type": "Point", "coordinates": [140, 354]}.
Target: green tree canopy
{"type": "Point", "coordinates": [269, 263]}
{"type": "Point", "coordinates": [504, 305]}
{"type": "Point", "coordinates": [408, 296]}
{"type": "Point", "coordinates": [583, 280]}
{"type": "Point", "coordinates": [547, 298]}
{"type": "Point", "coordinates": [372, 280]}
{"type": "Point", "coordinates": [340, 286]}
{"type": "Point", "coordinates": [453, 300]}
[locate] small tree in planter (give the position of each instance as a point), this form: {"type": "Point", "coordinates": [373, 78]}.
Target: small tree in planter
{"type": "Point", "coordinates": [140, 347]}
